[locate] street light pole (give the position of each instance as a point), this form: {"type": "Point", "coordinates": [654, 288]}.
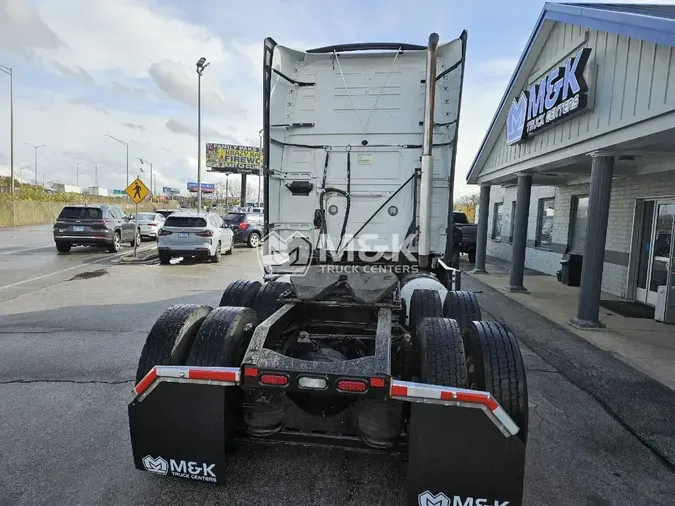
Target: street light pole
{"type": "Point", "coordinates": [43, 178]}
{"type": "Point", "coordinates": [152, 190]}
{"type": "Point", "coordinates": [36, 149]}
{"type": "Point", "coordinates": [201, 65]}
{"type": "Point", "coordinates": [77, 180]}
{"type": "Point", "coordinates": [125, 144]}
{"type": "Point", "coordinates": [9, 72]}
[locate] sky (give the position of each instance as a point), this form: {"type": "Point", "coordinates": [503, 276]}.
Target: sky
{"type": "Point", "coordinates": [84, 69]}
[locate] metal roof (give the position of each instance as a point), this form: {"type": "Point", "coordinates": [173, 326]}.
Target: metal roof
{"type": "Point", "coordinates": [648, 22]}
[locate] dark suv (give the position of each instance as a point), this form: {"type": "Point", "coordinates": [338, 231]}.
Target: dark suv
{"type": "Point", "coordinates": [247, 227]}
{"type": "Point", "coordinates": [94, 225]}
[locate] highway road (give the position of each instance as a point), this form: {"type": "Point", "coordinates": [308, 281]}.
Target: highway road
{"type": "Point", "coordinates": [69, 351]}
{"type": "Point", "coordinates": [29, 260]}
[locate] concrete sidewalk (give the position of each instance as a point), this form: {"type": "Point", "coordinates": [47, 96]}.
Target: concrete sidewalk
{"type": "Point", "coordinates": [644, 344]}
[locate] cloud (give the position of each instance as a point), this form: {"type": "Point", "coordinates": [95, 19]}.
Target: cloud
{"type": "Point", "coordinates": [179, 82]}
{"type": "Point", "coordinates": [133, 126]}
{"type": "Point", "coordinates": [78, 72]}
{"type": "Point", "coordinates": [209, 134]}
{"type": "Point", "coordinates": [23, 31]}
{"type": "Point", "coordinates": [129, 90]}
{"type": "Point", "coordinates": [87, 103]}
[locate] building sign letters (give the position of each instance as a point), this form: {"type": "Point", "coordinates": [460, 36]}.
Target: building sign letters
{"type": "Point", "coordinates": [555, 97]}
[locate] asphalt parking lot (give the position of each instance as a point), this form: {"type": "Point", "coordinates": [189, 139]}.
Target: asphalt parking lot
{"type": "Point", "coordinates": [70, 346]}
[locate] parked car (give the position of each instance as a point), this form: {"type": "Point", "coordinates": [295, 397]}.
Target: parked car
{"type": "Point", "coordinates": [469, 231]}
{"type": "Point", "coordinates": [247, 227]}
{"type": "Point", "coordinates": [194, 235]}
{"type": "Point", "coordinates": [149, 224]}
{"type": "Point", "coordinates": [94, 225]}
{"type": "Point", "coordinates": [167, 212]}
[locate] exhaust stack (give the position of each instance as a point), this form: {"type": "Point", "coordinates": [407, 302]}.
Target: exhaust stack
{"type": "Point", "coordinates": [427, 156]}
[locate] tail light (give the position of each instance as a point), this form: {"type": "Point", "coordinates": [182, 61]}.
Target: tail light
{"type": "Point", "coordinates": [352, 385]}
{"type": "Point", "coordinates": [243, 225]}
{"type": "Point", "coordinates": [208, 233]}
{"type": "Point", "coordinates": [164, 232]}
{"type": "Point", "coordinates": [274, 379]}
{"type": "Point", "coordinates": [152, 224]}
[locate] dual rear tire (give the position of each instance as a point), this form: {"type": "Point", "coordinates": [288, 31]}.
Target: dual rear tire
{"type": "Point", "coordinates": [454, 348]}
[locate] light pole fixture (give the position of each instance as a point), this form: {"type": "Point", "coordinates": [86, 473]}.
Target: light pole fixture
{"type": "Point", "coordinates": [152, 190]}
{"type": "Point", "coordinates": [8, 71]}
{"type": "Point", "coordinates": [201, 65]}
{"type": "Point", "coordinates": [77, 180]}
{"type": "Point", "coordinates": [43, 178]}
{"type": "Point", "coordinates": [36, 149]}
{"type": "Point", "coordinates": [126, 145]}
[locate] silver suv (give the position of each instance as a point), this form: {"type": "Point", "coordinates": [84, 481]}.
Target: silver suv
{"type": "Point", "coordinates": [191, 234]}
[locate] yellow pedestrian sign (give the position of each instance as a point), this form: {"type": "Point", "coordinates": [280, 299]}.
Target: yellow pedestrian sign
{"type": "Point", "coordinates": [137, 190]}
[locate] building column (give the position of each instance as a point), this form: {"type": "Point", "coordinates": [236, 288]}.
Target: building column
{"type": "Point", "coordinates": [602, 170]}
{"type": "Point", "coordinates": [517, 273]}
{"type": "Point", "coordinates": [482, 233]}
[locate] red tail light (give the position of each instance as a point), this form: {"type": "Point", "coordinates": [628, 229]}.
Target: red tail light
{"type": "Point", "coordinates": [164, 232]}
{"type": "Point", "coordinates": [352, 385]}
{"type": "Point", "coordinates": [274, 379]}
{"type": "Point", "coordinates": [208, 233]}
{"type": "Point", "coordinates": [243, 225]}
{"type": "Point", "coordinates": [152, 224]}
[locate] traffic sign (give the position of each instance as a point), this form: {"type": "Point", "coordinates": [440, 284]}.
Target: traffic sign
{"type": "Point", "coordinates": [137, 190]}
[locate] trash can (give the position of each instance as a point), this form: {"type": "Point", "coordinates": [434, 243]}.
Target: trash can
{"type": "Point", "coordinates": [570, 269]}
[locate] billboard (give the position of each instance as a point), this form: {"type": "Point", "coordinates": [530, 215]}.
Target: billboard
{"type": "Point", "coordinates": [167, 190]}
{"type": "Point", "coordinates": [206, 187]}
{"type": "Point", "coordinates": [234, 159]}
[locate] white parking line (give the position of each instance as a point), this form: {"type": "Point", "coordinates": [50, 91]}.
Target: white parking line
{"type": "Point", "coordinates": [70, 268]}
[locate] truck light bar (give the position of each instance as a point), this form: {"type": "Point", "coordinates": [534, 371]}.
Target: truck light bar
{"type": "Point", "coordinates": [225, 376]}
{"type": "Point", "coordinates": [433, 394]}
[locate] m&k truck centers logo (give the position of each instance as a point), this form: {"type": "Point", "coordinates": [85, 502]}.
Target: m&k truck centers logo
{"type": "Point", "coordinates": [554, 97]}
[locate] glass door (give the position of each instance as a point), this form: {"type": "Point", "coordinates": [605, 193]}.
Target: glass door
{"type": "Point", "coordinates": [661, 250]}
{"type": "Point", "coordinates": [645, 249]}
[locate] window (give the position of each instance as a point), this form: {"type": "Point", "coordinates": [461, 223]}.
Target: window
{"type": "Point", "coordinates": [545, 218]}
{"type": "Point", "coordinates": [579, 220]}
{"type": "Point", "coordinates": [81, 213]}
{"type": "Point", "coordinates": [185, 221]}
{"type": "Point", "coordinates": [497, 223]}
{"type": "Point", "coordinates": [513, 220]}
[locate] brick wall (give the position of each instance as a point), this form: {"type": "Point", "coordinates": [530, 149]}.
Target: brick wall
{"type": "Point", "coordinates": [625, 191]}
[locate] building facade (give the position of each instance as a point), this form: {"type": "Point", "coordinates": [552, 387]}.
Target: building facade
{"type": "Point", "coordinates": [580, 156]}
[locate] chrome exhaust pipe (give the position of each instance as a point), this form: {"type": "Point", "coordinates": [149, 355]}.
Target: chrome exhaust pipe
{"type": "Point", "coordinates": [427, 155]}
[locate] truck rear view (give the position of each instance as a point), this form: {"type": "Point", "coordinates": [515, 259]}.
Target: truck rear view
{"type": "Point", "coordinates": [360, 336]}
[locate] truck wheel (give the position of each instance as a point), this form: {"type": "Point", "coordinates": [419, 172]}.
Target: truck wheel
{"type": "Point", "coordinates": [495, 365]}
{"type": "Point", "coordinates": [240, 293]}
{"type": "Point", "coordinates": [171, 336]}
{"type": "Point", "coordinates": [266, 301]}
{"type": "Point", "coordinates": [221, 342]}
{"type": "Point", "coordinates": [423, 304]}
{"type": "Point", "coordinates": [442, 359]}
{"type": "Point", "coordinates": [461, 306]}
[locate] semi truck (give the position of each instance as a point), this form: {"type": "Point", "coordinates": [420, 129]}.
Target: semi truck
{"type": "Point", "coordinates": [358, 334]}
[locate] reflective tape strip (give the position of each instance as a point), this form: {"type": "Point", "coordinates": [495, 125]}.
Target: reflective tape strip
{"type": "Point", "coordinates": [422, 392]}
{"type": "Point", "coordinates": [226, 376]}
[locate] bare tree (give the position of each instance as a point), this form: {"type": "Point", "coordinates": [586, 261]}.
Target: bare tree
{"type": "Point", "coordinates": [468, 200]}
{"type": "Point", "coordinates": [251, 193]}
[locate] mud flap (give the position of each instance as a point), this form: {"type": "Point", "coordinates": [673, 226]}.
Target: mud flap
{"type": "Point", "coordinates": [178, 429]}
{"type": "Point", "coordinates": [457, 455]}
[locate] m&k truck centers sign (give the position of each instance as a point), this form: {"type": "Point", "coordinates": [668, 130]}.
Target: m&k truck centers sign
{"type": "Point", "coordinates": [555, 97]}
